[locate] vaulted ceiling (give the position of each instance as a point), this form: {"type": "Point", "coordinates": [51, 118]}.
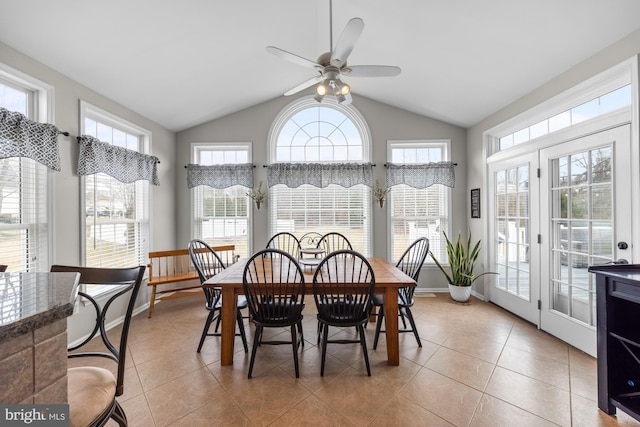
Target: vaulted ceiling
{"type": "Point", "coordinates": [181, 63]}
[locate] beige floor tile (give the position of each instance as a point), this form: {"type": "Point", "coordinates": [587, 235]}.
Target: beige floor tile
{"type": "Point", "coordinates": [462, 368]}
{"type": "Point", "coordinates": [538, 367]}
{"type": "Point", "coordinates": [309, 362]}
{"type": "Point", "coordinates": [403, 412]}
{"type": "Point", "coordinates": [473, 345]}
{"type": "Point", "coordinates": [583, 374]}
{"type": "Point", "coordinates": [132, 384]}
{"type": "Point", "coordinates": [541, 399]}
{"type": "Point", "coordinates": [493, 412]}
{"type": "Point", "coordinates": [267, 397]}
{"type": "Point", "coordinates": [586, 414]}
{"type": "Point", "coordinates": [178, 398]}
{"type": "Point", "coordinates": [137, 411]}
{"type": "Point", "coordinates": [157, 346]}
{"type": "Point", "coordinates": [168, 367]}
{"type": "Point", "coordinates": [219, 412]}
{"type": "Point", "coordinates": [393, 377]}
{"type": "Point", "coordinates": [444, 397]}
{"type": "Point", "coordinates": [311, 412]}
{"type": "Point", "coordinates": [356, 397]}
{"type": "Point", "coordinates": [526, 337]}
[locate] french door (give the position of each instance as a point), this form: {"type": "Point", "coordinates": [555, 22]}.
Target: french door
{"type": "Point", "coordinates": [587, 215]}
{"type": "Point", "coordinates": [554, 212]}
{"type": "Point", "coordinates": [514, 228]}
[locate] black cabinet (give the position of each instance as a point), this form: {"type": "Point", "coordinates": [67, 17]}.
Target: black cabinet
{"type": "Point", "coordinates": [618, 313]}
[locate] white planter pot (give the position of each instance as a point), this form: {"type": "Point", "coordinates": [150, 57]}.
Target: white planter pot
{"type": "Point", "coordinates": [460, 293]}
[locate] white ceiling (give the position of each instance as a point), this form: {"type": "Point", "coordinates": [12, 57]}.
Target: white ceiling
{"type": "Point", "coordinates": [181, 63]}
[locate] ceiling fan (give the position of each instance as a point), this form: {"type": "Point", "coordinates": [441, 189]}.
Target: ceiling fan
{"type": "Point", "coordinates": [332, 65]}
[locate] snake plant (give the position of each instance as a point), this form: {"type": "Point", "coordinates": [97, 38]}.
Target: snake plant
{"type": "Point", "coordinates": [462, 261]}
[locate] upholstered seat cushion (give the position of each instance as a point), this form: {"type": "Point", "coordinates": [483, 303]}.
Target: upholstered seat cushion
{"type": "Point", "coordinates": [91, 392]}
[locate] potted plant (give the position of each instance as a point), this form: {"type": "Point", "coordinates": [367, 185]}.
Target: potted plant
{"type": "Point", "coordinates": [380, 192]}
{"type": "Point", "coordinates": [462, 261]}
{"type": "Point", "coordinates": [258, 195]}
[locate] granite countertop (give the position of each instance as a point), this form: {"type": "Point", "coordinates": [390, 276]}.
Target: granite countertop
{"type": "Point", "coordinates": [29, 301]}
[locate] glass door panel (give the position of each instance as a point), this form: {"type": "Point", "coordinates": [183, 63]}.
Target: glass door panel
{"type": "Point", "coordinates": [584, 227]}
{"type": "Point", "coordinates": [512, 183]}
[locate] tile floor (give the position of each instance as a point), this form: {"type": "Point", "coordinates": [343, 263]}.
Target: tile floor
{"type": "Point", "coordinates": [479, 366]}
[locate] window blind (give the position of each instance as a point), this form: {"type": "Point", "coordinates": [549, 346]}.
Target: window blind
{"type": "Point", "coordinates": [334, 208]}
{"type": "Point", "coordinates": [23, 215]}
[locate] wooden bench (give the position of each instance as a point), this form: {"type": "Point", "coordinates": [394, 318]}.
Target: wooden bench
{"type": "Point", "coordinates": [174, 266]}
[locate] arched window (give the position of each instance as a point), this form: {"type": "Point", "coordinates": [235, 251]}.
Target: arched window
{"type": "Point", "coordinates": [308, 132]}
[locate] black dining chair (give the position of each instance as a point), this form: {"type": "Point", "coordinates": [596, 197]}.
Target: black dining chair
{"type": "Point", "coordinates": [287, 242]}
{"type": "Point", "coordinates": [410, 263]}
{"type": "Point", "coordinates": [208, 263]}
{"type": "Point", "coordinates": [274, 288]}
{"type": "Point", "coordinates": [343, 286]}
{"type": "Point", "coordinates": [92, 390]}
{"type": "Point", "coordinates": [334, 241]}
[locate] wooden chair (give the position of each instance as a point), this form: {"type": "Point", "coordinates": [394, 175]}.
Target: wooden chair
{"type": "Point", "coordinates": [343, 286]}
{"type": "Point", "coordinates": [286, 242]}
{"type": "Point", "coordinates": [92, 390]}
{"type": "Point", "coordinates": [410, 263]}
{"type": "Point", "coordinates": [207, 263]}
{"type": "Point", "coordinates": [274, 287]}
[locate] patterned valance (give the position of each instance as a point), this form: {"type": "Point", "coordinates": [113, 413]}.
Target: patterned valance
{"type": "Point", "coordinates": [319, 175]}
{"type": "Point", "coordinates": [21, 137]}
{"type": "Point", "coordinates": [220, 176]}
{"type": "Point", "coordinates": [118, 162]}
{"type": "Point", "coordinates": [421, 175]}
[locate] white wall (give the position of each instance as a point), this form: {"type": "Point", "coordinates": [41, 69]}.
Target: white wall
{"type": "Point", "coordinates": [385, 123]}
{"type": "Point", "coordinates": [66, 183]}
{"type": "Point", "coordinates": [607, 58]}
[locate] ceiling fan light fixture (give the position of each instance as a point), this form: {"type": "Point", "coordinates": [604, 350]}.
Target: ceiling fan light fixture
{"type": "Point", "coordinates": [321, 89]}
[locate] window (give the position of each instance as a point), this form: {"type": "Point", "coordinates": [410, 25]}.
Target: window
{"type": "Point", "coordinates": [24, 185]}
{"type": "Point", "coordinates": [116, 230]}
{"type": "Point", "coordinates": [416, 212]}
{"type": "Point", "coordinates": [221, 216]}
{"type": "Point", "coordinates": [604, 104]}
{"type": "Point", "coordinates": [326, 133]}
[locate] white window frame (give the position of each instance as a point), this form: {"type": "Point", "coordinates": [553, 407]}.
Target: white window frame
{"type": "Point", "coordinates": [361, 125]}
{"type": "Point", "coordinates": [614, 78]}
{"type": "Point", "coordinates": [445, 146]}
{"type": "Point", "coordinates": [40, 108]}
{"type": "Point", "coordinates": [196, 149]}
{"type": "Point", "coordinates": [88, 110]}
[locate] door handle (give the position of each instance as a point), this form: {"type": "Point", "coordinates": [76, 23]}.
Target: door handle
{"type": "Point", "coordinates": [623, 245]}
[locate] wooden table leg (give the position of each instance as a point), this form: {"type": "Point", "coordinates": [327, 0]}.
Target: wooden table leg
{"type": "Point", "coordinates": [391, 324]}
{"type": "Point", "coordinates": [229, 309]}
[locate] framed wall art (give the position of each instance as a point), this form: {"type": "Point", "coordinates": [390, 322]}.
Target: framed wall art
{"type": "Point", "coordinates": [475, 203]}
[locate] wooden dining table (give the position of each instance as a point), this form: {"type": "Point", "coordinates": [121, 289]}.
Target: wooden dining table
{"type": "Point", "coordinates": [388, 279]}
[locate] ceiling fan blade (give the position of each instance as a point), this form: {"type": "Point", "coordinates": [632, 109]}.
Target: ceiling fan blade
{"type": "Point", "coordinates": [347, 41]}
{"type": "Point", "coordinates": [304, 85]}
{"type": "Point", "coordinates": [292, 57]}
{"type": "Point", "coordinates": [374, 71]}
